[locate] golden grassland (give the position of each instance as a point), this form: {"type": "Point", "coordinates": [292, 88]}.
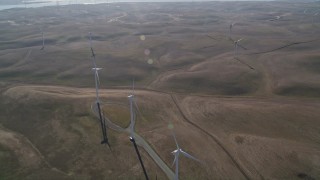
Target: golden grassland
{"type": "Point", "coordinates": [251, 117]}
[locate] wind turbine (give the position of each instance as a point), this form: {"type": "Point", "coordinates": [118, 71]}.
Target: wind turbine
{"type": "Point", "coordinates": [230, 29]}
{"type": "Point", "coordinates": [132, 113]}
{"type": "Point", "coordinates": [236, 46]}
{"type": "Point", "coordinates": [176, 154]}
{"type": "Point", "coordinates": [314, 16]}
{"type": "Point", "coordinates": [97, 83]}
{"type": "Point", "coordinates": [42, 48]}
{"type": "Point", "coordinates": [132, 122]}
{"type": "Point", "coordinates": [275, 18]}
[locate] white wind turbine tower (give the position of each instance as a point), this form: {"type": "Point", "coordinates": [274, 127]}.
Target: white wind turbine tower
{"type": "Point", "coordinates": [132, 113]}
{"type": "Point", "coordinates": [176, 154]}
{"type": "Point", "coordinates": [132, 122]}
{"type": "Point", "coordinates": [95, 69]}
{"type": "Point", "coordinates": [97, 83]}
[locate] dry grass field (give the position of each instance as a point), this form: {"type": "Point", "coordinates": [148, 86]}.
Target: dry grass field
{"type": "Point", "coordinates": [254, 116]}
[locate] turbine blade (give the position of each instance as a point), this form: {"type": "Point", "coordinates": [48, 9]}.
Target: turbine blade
{"type": "Point", "coordinates": [97, 74]}
{"type": "Point", "coordinates": [242, 47]}
{"type": "Point", "coordinates": [237, 49]}
{"type": "Point", "coordinates": [94, 108]}
{"type": "Point", "coordinates": [174, 161]}
{"type": "Point", "coordinates": [244, 63]}
{"type": "Point", "coordinates": [132, 117]}
{"type": "Point", "coordinates": [132, 126]}
{"type": "Point", "coordinates": [240, 40]}
{"type": "Point", "coordinates": [232, 40]}
{"type": "Point", "coordinates": [90, 39]}
{"type": "Point", "coordinates": [136, 106]}
{"type": "Point", "coordinates": [211, 37]}
{"type": "Point", "coordinates": [175, 139]}
{"type": "Point", "coordinates": [97, 86]}
{"type": "Point", "coordinates": [91, 47]}
{"type": "Point", "coordinates": [92, 52]}
{"type": "Point", "coordinates": [189, 156]}
{"type": "Point", "coordinates": [133, 86]}
{"type": "Point", "coordinates": [97, 94]}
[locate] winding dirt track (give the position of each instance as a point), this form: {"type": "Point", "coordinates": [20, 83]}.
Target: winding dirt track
{"type": "Point", "coordinates": [237, 164]}
{"type": "Point", "coordinates": [284, 46]}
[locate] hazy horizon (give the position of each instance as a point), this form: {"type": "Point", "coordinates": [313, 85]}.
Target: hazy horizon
{"type": "Point", "coordinates": [12, 2]}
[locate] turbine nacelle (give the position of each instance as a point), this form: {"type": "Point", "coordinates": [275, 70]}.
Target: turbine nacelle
{"type": "Point", "coordinates": [96, 69]}
{"type": "Point", "coordinates": [131, 96]}
{"type": "Point", "coordinates": [237, 41]}
{"type": "Point", "coordinates": [176, 151]}
{"type": "Point", "coordinates": [131, 139]}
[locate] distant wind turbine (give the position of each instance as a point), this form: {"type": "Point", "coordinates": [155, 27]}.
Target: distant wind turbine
{"type": "Point", "coordinates": [236, 47]}
{"type": "Point", "coordinates": [42, 48]}
{"type": "Point", "coordinates": [132, 122]}
{"type": "Point", "coordinates": [236, 44]}
{"type": "Point", "coordinates": [132, 113]}
{"type": "Point", "coordinates": [176, 154]}
{"type": "Point", "coordinates": [275, 18]}
{"type": "Point", "coordinates": [314, 16]}
{"type": "Point", "coordinates": [97, 83]}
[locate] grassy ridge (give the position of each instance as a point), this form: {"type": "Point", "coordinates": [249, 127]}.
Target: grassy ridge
{"type": "Point", "coordinates": [163, 46]}
{"type": "Point", "coordinates": [173, 40]}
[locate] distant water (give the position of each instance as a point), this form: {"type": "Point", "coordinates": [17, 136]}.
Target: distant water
{"type": "Point", "coordinates": [36, 3]}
